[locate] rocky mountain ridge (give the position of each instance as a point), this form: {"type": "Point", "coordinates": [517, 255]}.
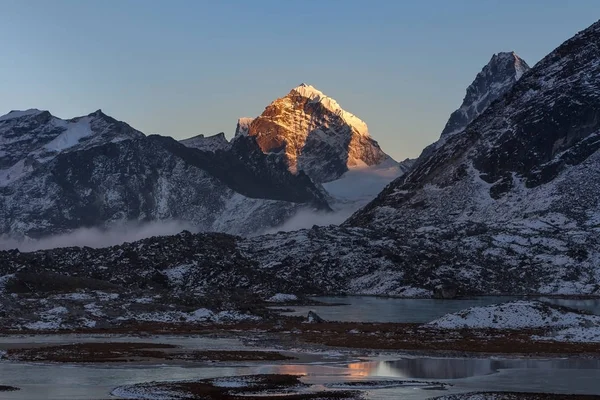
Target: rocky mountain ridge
{"type": "Point", "coordinates": [94, 171]}
{"type": "Point", "coordinates": [495, 79]}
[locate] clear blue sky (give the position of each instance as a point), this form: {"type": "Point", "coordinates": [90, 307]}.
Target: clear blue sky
{"type": "Point", "coordinates": [182, 68]}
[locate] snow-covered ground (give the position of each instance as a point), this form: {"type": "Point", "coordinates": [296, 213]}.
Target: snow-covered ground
{"type": "Point", "coordinates": [520, 314]}
{"type": "Point", "coordinates": [578, 334]}
{"type": "Point", "coordinates": [282, 298]}
{"type": "Point", "coordinates": [559, 324]}
{"type": "Point", "coordinates": [198, 316]}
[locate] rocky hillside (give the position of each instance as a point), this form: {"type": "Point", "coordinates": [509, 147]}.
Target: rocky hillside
{"type": "Point", "coordinates": [520, 186]}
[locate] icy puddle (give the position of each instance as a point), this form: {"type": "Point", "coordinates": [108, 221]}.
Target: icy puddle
{"type": "Point", "coordinates": [382, 309]}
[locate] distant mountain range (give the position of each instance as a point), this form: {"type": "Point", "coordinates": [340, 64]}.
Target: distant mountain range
{"type": "Point", "coordinates": [304, 152]}
{"type": "Point", "coordinates": [59, 175]}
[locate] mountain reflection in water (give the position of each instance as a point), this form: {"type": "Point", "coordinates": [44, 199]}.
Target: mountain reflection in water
{"type": "Point", "coordinates": [427, 368]}
{"type": "Point", "coordinates": [456, 368]}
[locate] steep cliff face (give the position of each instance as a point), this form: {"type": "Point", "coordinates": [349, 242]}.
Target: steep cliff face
{"type": "Point", "coordinates": [312, 133]}
{"type": "Point", "coordinates": [496, 78]}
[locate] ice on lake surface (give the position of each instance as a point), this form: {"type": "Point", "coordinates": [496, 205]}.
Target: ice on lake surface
{"type": "Point", "coordinates": [43, 381]}
{"type": "Point", "coordinates": [387, 309]}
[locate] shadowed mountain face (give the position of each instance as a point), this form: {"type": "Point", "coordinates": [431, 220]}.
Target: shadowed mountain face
{"type": "Point", "coordinates": [207, 143]}
{"type": "Point", "coordinates": [247, 170]}
{"type": "Point", "coordinates": [312, 133]}
{"type": "Point", "coordinates": [541, 139]}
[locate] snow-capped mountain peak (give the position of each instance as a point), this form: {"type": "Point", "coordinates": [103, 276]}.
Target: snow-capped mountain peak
{"type": "Point", "coordinates": [310, 132]}
{"type": "Point", "coordinates": [33, 137]}
{"type": "Point", "coordinates": [495, 79]}
{"type": "Point", "coordinates": [316, 96]}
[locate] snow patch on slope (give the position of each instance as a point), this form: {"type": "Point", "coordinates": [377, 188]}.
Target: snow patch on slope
{"type": "Point", "coordinates": [519, 314]}
{"type": "Point", "coordinates": [72, 135]}
{"type": "Point", "coordinates": [282, 298]}
{"type": "Point", "coordinates": [11, 174]}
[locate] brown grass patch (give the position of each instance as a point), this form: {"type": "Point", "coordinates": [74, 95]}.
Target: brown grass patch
{"type": "Point", "coordinates": [416, 337]}
{"type": "Point", "coordinates": [90, 352]}
{"type": "Point", "coordinates": [126, 352]}
{"type": "Point", "coordinates": [377, 336]}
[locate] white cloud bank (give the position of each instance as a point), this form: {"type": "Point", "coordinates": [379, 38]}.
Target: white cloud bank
{"type": "Point", "coordinates": [98, 237]}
